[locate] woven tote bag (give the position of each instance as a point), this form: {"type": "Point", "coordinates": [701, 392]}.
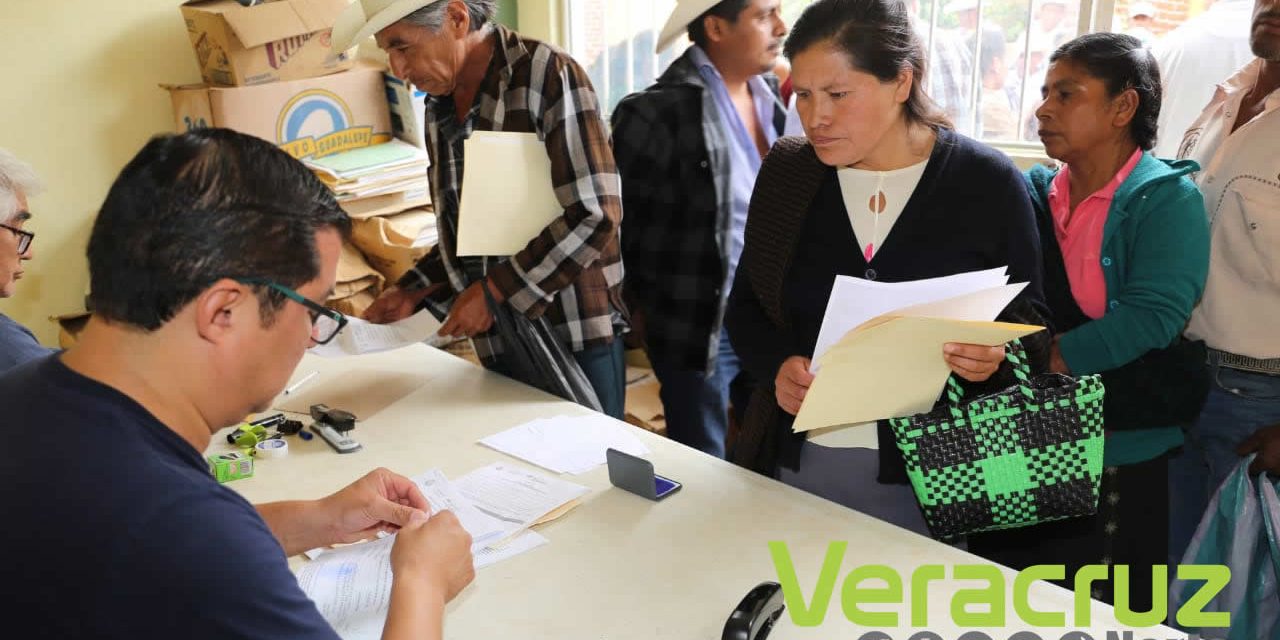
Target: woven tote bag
{"type": "Point", "coordinates": [1028, 454]}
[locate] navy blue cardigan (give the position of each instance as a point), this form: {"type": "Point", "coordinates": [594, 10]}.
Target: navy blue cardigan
{"type": "Point", "coordinates": [971, 211]}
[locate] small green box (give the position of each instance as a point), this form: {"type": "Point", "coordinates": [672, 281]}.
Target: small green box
{"type": "Point", "coordinates": [230, 466]}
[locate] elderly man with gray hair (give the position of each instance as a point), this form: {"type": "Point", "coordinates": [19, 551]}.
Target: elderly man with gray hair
{"type": "Point", "coordinates": [481, 76]}
{"type": "Point", "coordinates": [17, 182]}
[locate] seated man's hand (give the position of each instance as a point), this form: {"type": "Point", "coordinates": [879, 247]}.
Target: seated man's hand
{"type": "Point", "coordinates": [380, 501]}
{"type": "Point", "coordinates": [1266, 443]}
{"type": "Point", "coordinates": [396, 304]}
{"type": "Point", "coordinates": [436, 550]}
{"type": "Point", "coordinates": [973, 362]}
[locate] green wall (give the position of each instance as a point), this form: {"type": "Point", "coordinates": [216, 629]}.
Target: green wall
{"type": "Point", "coordinates": [507, 13]}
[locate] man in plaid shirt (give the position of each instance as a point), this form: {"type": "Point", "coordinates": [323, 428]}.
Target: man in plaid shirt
{"type": "Point", "coordinates": [689, 148]}
{"type": "Point", "coordinates": [482, 77]}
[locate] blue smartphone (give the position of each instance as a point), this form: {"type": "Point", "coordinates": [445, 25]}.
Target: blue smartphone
{"type": "Point", "coordinates": [664, 487]}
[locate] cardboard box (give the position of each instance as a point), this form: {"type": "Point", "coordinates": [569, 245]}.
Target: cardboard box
{"type": "Point", "coordinates": [230, 466]}
{"type": "Point", "coordinates": [315, 117]}
{"type": "Point", "coordinates": [408, 111]}
{"type": "Point", "coordinates": [387, 242]}
{"type": "Point", "coordinates": [358, 283]}
{"type": "Point", "coordinates": [282, 40]}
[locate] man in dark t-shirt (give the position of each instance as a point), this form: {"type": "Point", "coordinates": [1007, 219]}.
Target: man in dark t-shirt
{"type": "Point", "coordinates": [208, 263]}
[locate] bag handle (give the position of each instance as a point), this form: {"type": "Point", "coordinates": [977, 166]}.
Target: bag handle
{"type": "Point", "coordinates": [1015, 354]}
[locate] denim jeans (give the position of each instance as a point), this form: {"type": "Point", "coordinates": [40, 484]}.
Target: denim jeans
{"type": "Point", "coordinates": [1239, 403]}
{"type": "Point", "coordinates": [696, 405]}
{"type": "Point", "coordinates": [606, 369]}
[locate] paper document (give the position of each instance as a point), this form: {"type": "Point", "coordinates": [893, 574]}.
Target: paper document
{"type": "Point", "coordinates": [526, 541]}
{"type": "Point", "coordinates": [507, 195]}
{"type": "Point", "coordinates": [567, 444]}
{"type": "Point", "coordinates": [443, 496]}
{"type": "Point", "coordinates": [361, 336]}
{"type": "Point", "coordinates": [516, 496]}
{"type": "Point", "coordinates": [892, 367]}
{"type": "Point", "coordinates": [855, 301]}
{"type": "Point", "coordinates": [351, 585]}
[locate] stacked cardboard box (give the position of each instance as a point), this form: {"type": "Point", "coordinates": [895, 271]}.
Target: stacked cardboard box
{"type": "Point", "coordinates": [268, 71]}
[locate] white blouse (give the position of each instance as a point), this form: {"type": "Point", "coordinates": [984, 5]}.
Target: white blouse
{"type": "Point", "coordinates": [875, 199]}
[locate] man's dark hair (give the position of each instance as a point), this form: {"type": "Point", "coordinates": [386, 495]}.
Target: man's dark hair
{"type": "Point", "coordinates": [1121, 62]}
{"type": "Point", "coordinates": [193, 208]}
{"type": "Point", "coordinates": [727, 9]}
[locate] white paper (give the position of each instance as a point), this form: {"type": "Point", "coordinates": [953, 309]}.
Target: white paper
{"type": "Point", "coordinates": [567, 444]}
{"type": "Point", "coordinates": [361, 336]}
{"type": "Point", "coordinates": [526, 541]}
{"type": "Point", "coordinates": [443, 496]}
{"type": "Point", "coordinates": [854, 301]}
{"type": "Point", "coordinates": [518, 497]}
{"type": "Point", "coordinates": [351, 587]}
{"type": "Point", "coordinates": [507, 195]}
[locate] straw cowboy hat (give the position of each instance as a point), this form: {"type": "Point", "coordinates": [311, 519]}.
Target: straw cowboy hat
{"type": "Point", "coordinates": [685, 13]}
{"type": "Point", "coordinates": [364, 18]}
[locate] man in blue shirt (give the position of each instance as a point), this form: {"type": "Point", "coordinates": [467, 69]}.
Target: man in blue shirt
{"type": "Point", "coordinates": [208, 262]}
{"type": "Point", "coordinates": [17, 182]}
{"type": "Point", "coordinates": [689, 148]}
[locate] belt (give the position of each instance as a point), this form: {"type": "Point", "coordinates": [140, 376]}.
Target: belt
{"type": "Point", "coordinates": [1268, 366]}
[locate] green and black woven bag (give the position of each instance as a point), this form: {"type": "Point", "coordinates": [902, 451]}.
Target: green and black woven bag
{"type": "Point", "coordinates": [1031, 453]}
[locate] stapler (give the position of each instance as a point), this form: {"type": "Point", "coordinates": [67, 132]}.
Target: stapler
{"type": "Point", "coordinates": [333, 425]}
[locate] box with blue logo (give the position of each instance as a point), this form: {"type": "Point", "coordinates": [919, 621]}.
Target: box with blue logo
{"type": "Point", "coordinates": [309, 118]}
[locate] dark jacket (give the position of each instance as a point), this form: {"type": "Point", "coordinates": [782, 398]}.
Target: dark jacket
{"type": "Point", "coordinates": [673, 155]}
{"type": "Point", "coordinates": [969, 212]}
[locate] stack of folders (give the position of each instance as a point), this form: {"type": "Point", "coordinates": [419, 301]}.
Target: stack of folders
{"type": "Point", "coordinates": [879, 352]}
{"type": "Point", "coordinates": [376, 180]}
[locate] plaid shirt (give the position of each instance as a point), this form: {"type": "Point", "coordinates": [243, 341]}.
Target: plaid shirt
{"type": "Point", "coordinates": [673, 153]}
{"type": "Point", "coordinates": [572, 270]}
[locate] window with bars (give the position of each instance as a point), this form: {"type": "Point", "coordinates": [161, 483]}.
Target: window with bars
{"type": "Point", "coordinates": [986, 58]}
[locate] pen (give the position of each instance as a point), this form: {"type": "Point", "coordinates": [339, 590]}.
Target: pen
{"type": "Point", "coordinates": [304, 380]}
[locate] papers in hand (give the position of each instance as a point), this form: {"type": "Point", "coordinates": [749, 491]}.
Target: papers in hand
{"type": "Point", "coordinates": [507, 195]}
{"type": "Point", "coordinates": [566, 444]}
{"type": "Point", "coordinates": [361, 336]}
{"type": "Point", "coordinates": [891, 363]}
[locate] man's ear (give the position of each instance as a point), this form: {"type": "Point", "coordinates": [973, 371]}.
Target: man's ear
{"type": "Point", "coordinates": [715, 27]}
{"type": "Point", "coordinates": [458, 19]}
{"type": "Point", "coordinates": [222, 308]}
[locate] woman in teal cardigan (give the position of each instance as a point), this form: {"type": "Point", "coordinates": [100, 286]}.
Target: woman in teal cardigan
{"type": "Point", "coordinates": [1126, 250]}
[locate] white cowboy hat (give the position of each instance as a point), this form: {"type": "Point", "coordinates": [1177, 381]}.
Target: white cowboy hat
{"type": "Point", "coordinates": [682, 16]}
{"type": "Point", "coordinates": [364, 18]}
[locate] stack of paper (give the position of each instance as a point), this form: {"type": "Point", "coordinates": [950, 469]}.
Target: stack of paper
{"type": "Point", "coordinates": [520, 498]}
{"type": "Point", "coordinates": [879, 352]}
{"type": "Point", "coordinates": [391, 167]}
{"type": "Point", "coordinates": [351, 585]}
{"type": "Point", "coordinates": [567, 444]}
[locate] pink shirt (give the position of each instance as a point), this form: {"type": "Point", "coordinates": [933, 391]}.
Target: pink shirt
{"type": "Point", "coordinates": [1079, 235]}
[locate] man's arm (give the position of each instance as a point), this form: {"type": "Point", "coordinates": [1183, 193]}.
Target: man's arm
{"type": "Point", "coordinates": [587, 186]}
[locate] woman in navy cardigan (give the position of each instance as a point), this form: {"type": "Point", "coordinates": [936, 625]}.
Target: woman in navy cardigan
{"type": "Point", "coordinates": [880, 188]}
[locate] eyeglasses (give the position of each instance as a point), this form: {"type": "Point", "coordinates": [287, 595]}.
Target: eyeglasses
{"type": "Point", "coordinates": [326, 324]}
{"type": "Point", "coordinates": [24, 238]}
